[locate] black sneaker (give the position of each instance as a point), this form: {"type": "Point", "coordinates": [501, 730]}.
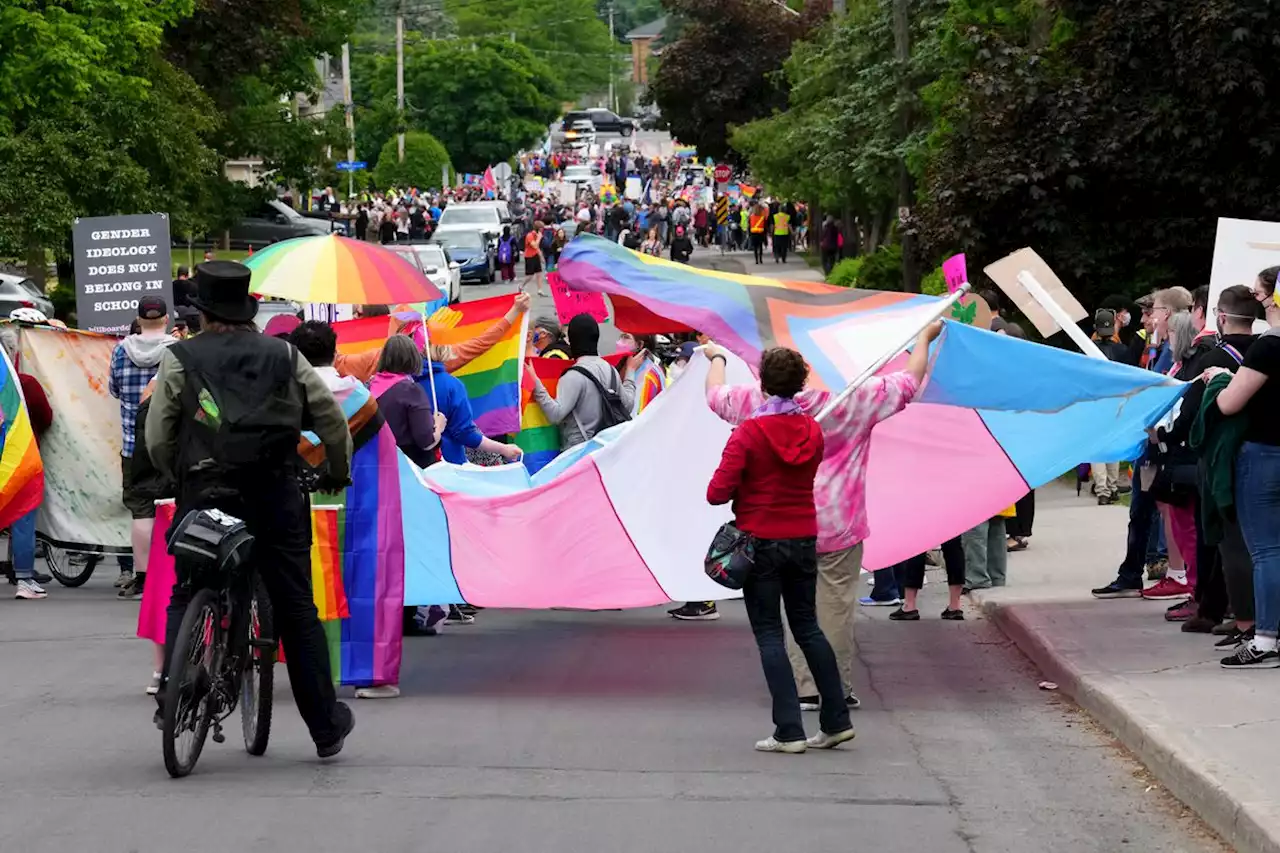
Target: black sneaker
{"type": "Point", "coordinates": [1116, 589]}
{"type": "Point", "coordinates": [346, 723]}
{"type": "Point", "coordinates": [901, 615]}
{"type": "Point", "coordinates": [1247, 657]}
{"type": "Point", "coordinates": [696, 611]}
{"type": "Point", "coordinates": [457, 617]}
{"type": "Point", "coordinates": [132, 591]}
{"type": "Point", "coordinates": [1234, 639]}
{"type": "Point", "coordinates": [953, 615]}
{"type": "Point", "coordinates": [814, 703]}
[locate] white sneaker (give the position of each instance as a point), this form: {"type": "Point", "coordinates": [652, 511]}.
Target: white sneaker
{"type": "Point", "coordinates": [126, 576]}
{"type": "Point", "coordinates": [382, 691]}
{"type": "Point", "coordinates": [154, 687]}
{"type": "Point", "coordinates": [772, 744]}
{"type": "Point", "coordinates": [822, 740]}
{"type": "Point", "coordinates": [30, 589]}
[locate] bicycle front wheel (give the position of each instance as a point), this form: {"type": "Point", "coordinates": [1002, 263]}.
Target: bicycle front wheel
{"type": "Point", "coordinates": [188, 697]}
{"type": "Point", "coordinates": [258, 679]}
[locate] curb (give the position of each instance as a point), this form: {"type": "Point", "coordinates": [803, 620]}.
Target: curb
{"type": "Point", "coordinates": [1237, 824]}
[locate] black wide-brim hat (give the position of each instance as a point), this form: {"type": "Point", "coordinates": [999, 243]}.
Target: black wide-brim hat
{"type": "Point", "coordinates": [222, 291]}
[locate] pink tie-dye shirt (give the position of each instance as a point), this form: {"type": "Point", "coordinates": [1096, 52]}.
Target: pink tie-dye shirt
{"type": "Point", "coordinates": [840, 491]}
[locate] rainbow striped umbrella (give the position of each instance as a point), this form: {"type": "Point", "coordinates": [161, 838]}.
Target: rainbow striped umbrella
{"type": "Point", "coordinates": [336, 270]}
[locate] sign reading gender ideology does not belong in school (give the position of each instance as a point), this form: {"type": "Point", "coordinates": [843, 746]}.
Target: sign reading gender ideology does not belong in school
{"type": "Point", "coordinates": [118, 260]}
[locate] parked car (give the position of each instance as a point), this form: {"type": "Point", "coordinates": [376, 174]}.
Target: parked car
{"type": "Point", "coordinates": [272, 222]}
{"type": "Point", "coordinates": [471, 248]}
{"type": "Point", "coordinates": [434, 262]}
{"type": "Point", "coordinates": [581, 176]}
{"type": "Point", "coordinates": [604, 121]}
{"type": "Point", "coordinates": [582, 134]}
{"type": "Point", "coordinates": [20, 292]}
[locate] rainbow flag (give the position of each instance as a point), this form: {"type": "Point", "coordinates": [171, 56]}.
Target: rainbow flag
{"type": "Point", "coordinates": [326, 565]}
{"type": "Point", "coordinates": [365, 643]}
{"type": "Point", "coordinates": [492, 380]}
{"type": "Point", "coordinates": [362, 335]}
{"type": "Point", "coordinates": [649, 384]}
{"type": "Point", "coordinates": [21, 471]}
{"type": "Point", "coordinates": [538, 437]}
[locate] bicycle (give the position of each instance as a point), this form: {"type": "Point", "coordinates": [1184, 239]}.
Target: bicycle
{"type": "Point", "coordinates": [226, 650]}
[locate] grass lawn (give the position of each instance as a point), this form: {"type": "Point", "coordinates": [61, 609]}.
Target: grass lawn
{"type": "Point", "coordinates": [182, 259]}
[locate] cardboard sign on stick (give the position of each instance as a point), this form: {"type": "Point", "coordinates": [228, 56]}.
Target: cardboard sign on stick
{"type": "Point", "coordinates": [1004, 273]}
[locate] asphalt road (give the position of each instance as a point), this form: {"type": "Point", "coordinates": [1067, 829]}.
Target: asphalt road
{"type": "Point", "coordinates": [567, 731]}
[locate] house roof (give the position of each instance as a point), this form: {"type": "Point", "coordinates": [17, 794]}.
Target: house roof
{"type": "Point", "coordinates": [651, 30]}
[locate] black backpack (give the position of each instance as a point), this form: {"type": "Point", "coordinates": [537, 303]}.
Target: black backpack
{"type": "Point", "coordinates": [612, 410]}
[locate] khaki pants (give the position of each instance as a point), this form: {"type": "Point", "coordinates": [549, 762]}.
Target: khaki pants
{"type": "Point", "coordinates": [837, 600]}
{"type": "Point", "coordinates": [1106, 479]}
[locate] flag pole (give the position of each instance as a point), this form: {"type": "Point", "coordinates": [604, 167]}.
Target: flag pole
{"type": "Point", "coordinates": [874, 368]}
{"type": "Point", "coordinates": [431, 374]}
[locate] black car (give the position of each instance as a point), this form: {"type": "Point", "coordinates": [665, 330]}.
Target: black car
{"type": "Point", "coordinates": [604, 121]}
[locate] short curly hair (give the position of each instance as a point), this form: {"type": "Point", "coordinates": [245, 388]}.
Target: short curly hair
{"type": "Point", "coordinates": [783, 372]}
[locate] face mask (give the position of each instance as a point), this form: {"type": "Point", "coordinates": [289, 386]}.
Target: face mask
{"type": "Point", "coordinates": [626, 345]}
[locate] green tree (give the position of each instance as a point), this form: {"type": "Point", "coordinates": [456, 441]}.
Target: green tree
{"type": "Point", "coordinates": [484, 100]}
{"type": "Point", "coordinates": [722, 69]}
{"type": "Point", "coordinates": [568, 35]}
{"type": "Point", "coordinates": [424, 160]}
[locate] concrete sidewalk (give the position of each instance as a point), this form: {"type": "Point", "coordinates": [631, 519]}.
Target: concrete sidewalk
{"type": "Point", "coordinates": [1203, 731]}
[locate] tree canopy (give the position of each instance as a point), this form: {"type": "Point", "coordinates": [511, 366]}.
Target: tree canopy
{"type": "Point", "coordinates": [424, 161]}
{"type": "Point", "coordinates": [484, 100]}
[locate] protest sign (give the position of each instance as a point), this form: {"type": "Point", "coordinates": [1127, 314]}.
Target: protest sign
{"type": "Point", "coordinates": [118, 260]}
{"type": "Point", "coordinates": [953, 270]}
{"type": "Point", "coordinates": [571, 303]}
{"type": "Point", "coordinates": [1241, 249]}
{"type": "Point", "coordinates": [1005, 273]}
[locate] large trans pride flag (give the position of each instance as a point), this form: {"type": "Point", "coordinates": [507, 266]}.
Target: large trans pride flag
{"type": "Point", "coordinates": [622, 521]}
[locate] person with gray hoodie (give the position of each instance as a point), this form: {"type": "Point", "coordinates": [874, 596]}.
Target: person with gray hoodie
{"type": "Point", "coordinates": [134, 362]}
{"type": "Point", "coordinates": [579, 407]}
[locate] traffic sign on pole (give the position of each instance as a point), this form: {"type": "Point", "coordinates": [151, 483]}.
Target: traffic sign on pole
{"type": "Point", "coordinates": [723, 173]}
{"type": "Point", "coordinates": [351, 165]}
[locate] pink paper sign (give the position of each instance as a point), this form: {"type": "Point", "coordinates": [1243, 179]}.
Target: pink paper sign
{"type": "Point", "coordinates": [954, 272]}
{"type": "Point", "coordinates": [571, 303]}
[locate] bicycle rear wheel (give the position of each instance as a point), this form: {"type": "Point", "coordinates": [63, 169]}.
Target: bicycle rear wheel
{"type": "Point", "coordinates": [258, 678]}
{"type": "Point", "coordinates": [189, 694]}
{"type": "Point", "coordinates": [70, 569]}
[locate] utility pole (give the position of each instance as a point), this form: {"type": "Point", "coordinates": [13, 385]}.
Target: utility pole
{"type": "Point", "coordinates": [400, 79]}
{"type": "Point", "coordinates": [906, 183]}
{"type": "Point", "coordinates": [612, 47]}
{"type": "Point", "coordinates": [350, 116]}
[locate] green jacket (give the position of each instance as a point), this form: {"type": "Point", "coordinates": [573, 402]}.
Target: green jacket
{"type": "Point", "coordinates": [1217, 438]}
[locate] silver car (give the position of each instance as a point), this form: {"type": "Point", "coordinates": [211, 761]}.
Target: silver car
{"type": "Point", "coordinates": [18, 291]}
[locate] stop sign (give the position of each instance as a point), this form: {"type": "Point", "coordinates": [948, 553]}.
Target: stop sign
{"type": "Point", "coordinates": [723, 173]}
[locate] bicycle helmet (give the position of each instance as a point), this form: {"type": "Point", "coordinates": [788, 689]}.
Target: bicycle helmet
{"type": "Point", "coordinates": [28, 315]}
{"type": "Point", "coordinates": [210, 540]}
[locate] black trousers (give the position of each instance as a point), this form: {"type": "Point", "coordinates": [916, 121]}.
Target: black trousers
{"type": "Point", "coordinates": [781, 245]}
{"type": "Point", "coordinates": [1020, 524]}
{"type": "Point", "coordinates": [910, 572]}
{"type": "Point", "coordinates": [785, 574]}
{"type": "Point", "coordinates": [757, 247]}
{"type": "Point", "coordinates": [277, 513]}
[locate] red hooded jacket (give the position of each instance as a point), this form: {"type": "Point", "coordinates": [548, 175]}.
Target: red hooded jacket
{"type": "Point", "coordinates": [767, 471]}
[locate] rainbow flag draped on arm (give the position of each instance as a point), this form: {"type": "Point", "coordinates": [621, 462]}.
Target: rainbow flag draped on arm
{"type": "Point", "coordinates": [492, 379]}
{"type": "Point", "coordinates": [21, 471]}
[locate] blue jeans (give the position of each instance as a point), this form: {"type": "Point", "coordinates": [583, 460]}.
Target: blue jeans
{"type": "Point", "coordinates": [886, 586]}
{"type": "Point", "coordinates": [786, 574]}
{"type": "Point", "coordinates": [22, 546]}
{"type": "Point", "coordinates": [1258, 505]}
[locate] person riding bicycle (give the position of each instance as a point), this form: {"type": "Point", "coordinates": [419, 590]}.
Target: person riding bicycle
{"type": "Point", "coordinates": [228, 410]}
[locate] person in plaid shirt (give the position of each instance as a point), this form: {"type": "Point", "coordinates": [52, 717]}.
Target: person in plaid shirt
{"type": "Point", "coordinates": [134, 362]}
{"type": "Point", "coordinates": [839, 491]}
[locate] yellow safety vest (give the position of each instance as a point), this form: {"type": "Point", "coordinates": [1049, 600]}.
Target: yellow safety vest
{"type": "Point", "coordinates": [781, 223]}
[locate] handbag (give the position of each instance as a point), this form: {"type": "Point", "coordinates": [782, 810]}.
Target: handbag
{"type": "Point", "coordinates": [731, 556]}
